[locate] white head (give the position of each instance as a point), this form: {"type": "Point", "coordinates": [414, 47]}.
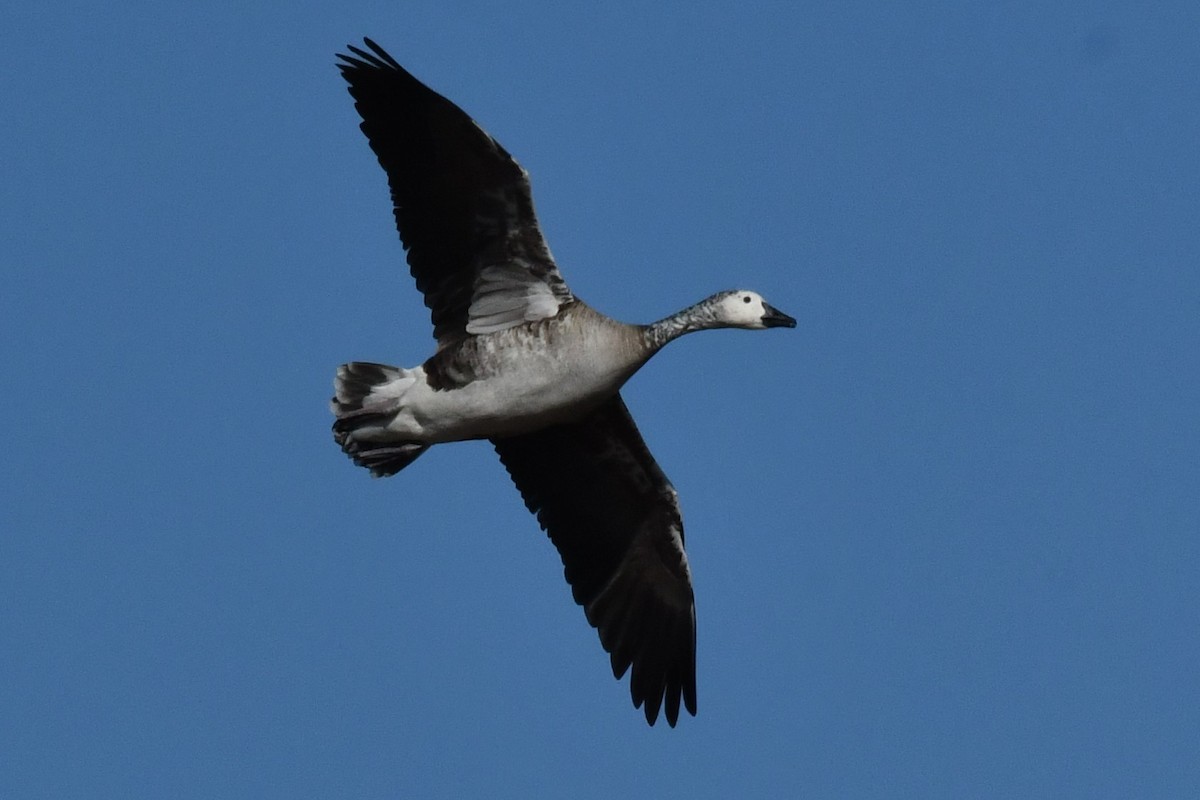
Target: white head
{"type": "Point", "coordinates": [745, 309]}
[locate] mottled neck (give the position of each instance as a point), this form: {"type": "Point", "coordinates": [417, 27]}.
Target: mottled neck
{"type": "Point", "coordinates": [699, 317]}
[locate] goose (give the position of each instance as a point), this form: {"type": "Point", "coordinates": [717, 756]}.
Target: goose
{"type": "Point", "coordinates": [522, 362]}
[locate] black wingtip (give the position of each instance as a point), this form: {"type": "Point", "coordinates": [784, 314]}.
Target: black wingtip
{"type": "Point", "coordinates": [377, 58]}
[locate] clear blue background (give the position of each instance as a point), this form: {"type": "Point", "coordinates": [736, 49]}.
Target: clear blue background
{"type": "Point", "coordinates": [944, 534]}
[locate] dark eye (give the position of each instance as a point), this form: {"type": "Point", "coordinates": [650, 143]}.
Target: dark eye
{"type": "Point", "coordinates": [746, 299]}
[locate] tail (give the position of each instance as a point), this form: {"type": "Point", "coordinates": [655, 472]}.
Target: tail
{"type": "Point", "coordinates": [366, 398]}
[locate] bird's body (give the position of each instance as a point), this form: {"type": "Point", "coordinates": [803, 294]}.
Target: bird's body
{"type": "Point", "coordinates": [512, 381]}
{"type": "Point", "coordinates": [523, 362]}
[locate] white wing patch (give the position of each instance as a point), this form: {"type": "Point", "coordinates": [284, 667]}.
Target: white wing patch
{"type": "Point", "coordinates": [507, 295]}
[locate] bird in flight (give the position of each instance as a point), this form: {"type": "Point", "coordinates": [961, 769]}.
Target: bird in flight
{"type": "Point", "coordinates": [523, 362]}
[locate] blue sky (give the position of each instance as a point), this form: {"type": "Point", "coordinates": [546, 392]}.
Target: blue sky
{"type": "Point", "coordinates": [943, 534]}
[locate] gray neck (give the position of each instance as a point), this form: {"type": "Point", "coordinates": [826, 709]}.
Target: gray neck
{"type": "Point", "coordinates": [699, 317]}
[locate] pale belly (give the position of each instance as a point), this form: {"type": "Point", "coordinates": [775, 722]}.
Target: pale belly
{"type": "Point", "coordinates": [502, 405]}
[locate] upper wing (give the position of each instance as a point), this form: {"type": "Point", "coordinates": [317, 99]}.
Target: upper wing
{"type": "Point", "coordinates": [463, 205]}
{"type": "Point", "coordinates": [614, 518]}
